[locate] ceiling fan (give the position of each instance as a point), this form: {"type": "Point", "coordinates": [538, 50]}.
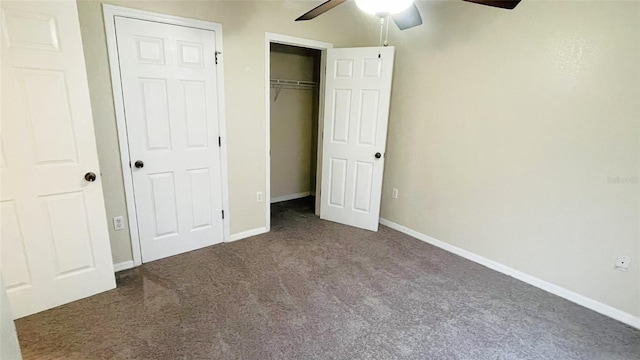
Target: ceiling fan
{"type": "Point", "coordinates": [404, 12]}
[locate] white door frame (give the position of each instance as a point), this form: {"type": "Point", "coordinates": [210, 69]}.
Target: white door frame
{"type": "Point", "coordinates": [270, 38]}
{"type": "Point", "coordinates": [110, 12]}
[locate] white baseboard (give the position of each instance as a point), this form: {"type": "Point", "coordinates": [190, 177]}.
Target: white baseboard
{"type": "Point", "coordinates": [123, 265]}
{"type": "Point", "coordinates": [529, 279]}
{"type": "Point", "coordinates": [248, 233]}
{"type": "Point", "coordinates": [290, 197]}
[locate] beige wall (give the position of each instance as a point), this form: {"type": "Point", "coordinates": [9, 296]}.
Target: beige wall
{"type": "Point", "coordinates": [516, 135]}
{"type": "Point", "coordinates": [244, 26]}
{"type": "Point", "coordinates": [294, 123]}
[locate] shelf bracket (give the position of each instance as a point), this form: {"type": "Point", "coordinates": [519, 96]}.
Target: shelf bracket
{"type": "Point", "coordinates": [278, 89]}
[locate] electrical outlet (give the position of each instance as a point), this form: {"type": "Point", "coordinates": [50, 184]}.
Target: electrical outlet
{"type": "Point", "coordinates": [118, 222]}
{"type": "Point", "coordinates": [259, 196]}
{"type": "Point", "coordinates": [623, 263]}
{"type": "Point", "coordinates": [394, 193]}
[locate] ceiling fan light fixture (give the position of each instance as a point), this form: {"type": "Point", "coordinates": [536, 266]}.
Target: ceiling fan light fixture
{"type": "Point", "coordinates": [383, 7]}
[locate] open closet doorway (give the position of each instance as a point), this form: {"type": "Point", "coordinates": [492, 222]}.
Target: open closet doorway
{"type": "Point", "coordinates": [295, 74]}
{"type": "Point", "coordinates": [294, 110]}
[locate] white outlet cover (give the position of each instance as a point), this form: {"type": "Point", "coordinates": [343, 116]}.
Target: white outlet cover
{"type": "Point", "coordinates": [394, 193]}
{"type": "Point", "coordinates": [623, 263]}
{"type": "Point", "coordinates": [118, 222]}
{"type": "Point", "coordinates": [259, 196]}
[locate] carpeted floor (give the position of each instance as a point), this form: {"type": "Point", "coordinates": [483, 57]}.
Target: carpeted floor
{"type": "Point", "coordinates": [312, 289]}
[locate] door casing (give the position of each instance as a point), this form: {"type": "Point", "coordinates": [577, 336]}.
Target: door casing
{"type": "Point", "coordinates": [110, 12]}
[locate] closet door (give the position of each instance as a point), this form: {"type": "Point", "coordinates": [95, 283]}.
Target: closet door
{"type": "Point", "coordinates": [169, 87]}
{"type": "Point", "coordinates": [357, 96]}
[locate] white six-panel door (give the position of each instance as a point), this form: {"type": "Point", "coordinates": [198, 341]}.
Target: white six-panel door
{"type": "Point", "coordinates": [169, 89]}
{"type": "Point", "coordinates": [358, 92]}
{"type": "Point", "coordinates": [54, 241]}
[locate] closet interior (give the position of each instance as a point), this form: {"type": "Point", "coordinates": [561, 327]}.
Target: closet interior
{"type": "Point", "coordinates": [294, 75]}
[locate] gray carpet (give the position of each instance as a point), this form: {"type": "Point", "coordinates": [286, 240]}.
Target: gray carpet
{"type": "Point", "coordinates": [312, 289]}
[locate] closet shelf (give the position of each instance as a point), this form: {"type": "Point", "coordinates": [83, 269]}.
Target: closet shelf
{"type": "Point", "coordinates": [280, 84]}
{"type": "Point", "coordinates": [298, 84]}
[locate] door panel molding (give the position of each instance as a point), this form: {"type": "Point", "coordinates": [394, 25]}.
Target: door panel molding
{"type": "Point", "coordinates": [149, 50]}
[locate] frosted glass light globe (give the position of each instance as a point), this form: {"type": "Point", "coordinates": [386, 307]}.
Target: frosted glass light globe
{"type": "Point", "coordinates": [383, 7]}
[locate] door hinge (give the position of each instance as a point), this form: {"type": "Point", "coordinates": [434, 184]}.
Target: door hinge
{"type": "Point", "coordinates": [222, 214]}
{"type": "Point", "coordinates": [219, 141]}
{"type": "Point", "coordinates": [217, 53]}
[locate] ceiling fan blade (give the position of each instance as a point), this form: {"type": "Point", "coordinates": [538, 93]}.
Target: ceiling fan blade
{"type": "Point", "coordinates": [408, 18]}
{"type": "Point", "coordinates": [504, 4]}
{"type": "Point", "coordinates": [320, 9]}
